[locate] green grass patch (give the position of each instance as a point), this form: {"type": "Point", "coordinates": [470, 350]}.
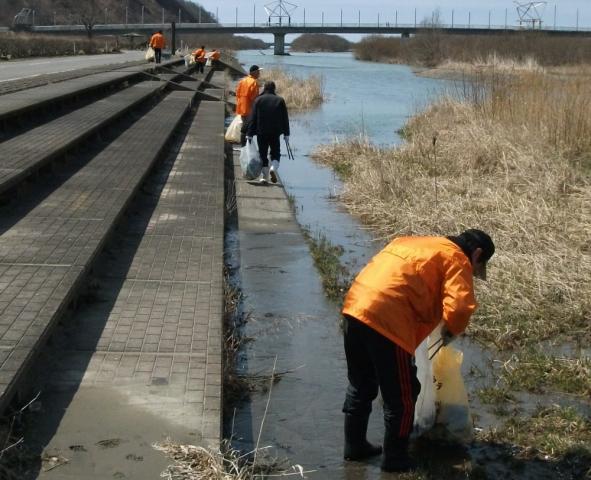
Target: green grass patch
{"type": "Point", "coordinates": [552, 431]}
{"type": "Point", "coordinates": [536, 372]}
{"type": "Point", "coordinates": [336, 278]}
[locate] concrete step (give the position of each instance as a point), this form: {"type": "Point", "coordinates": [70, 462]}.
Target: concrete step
{"type": "Point", "coordinates": [25, 154]}
{"type": "Point", "coordinates": [27, 101]}
{"type": "Point", "coordinates": [45, 255]}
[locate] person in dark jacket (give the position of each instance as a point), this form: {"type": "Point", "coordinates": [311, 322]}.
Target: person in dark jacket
{"type": "Point", "coordinates": [268, 121]}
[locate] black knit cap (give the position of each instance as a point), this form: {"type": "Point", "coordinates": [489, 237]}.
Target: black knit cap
{"type": "Point", "coordinates": [478, 239]}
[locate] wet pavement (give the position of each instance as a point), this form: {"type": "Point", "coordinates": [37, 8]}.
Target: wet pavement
{"type": "Point", "coordinates": [290, 321]}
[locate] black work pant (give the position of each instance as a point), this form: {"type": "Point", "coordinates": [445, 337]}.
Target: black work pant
{"type": "Point", "coordinates": [266, 143]}
{"type": "Point", "coordinates": [243, 130]}
{"type": "Point", "coordinates": [200, 67]}
{"type": "Point", "coordinates": [374, 362]}
{"type": "Point", "coordinates": [157, 55]}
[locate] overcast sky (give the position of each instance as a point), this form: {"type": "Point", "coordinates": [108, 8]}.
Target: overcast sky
{"type": "Point", "coordinates": [566, 11]}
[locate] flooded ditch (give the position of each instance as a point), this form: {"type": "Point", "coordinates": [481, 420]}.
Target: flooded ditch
{"type": "Point", "coordinates": [294, 326]}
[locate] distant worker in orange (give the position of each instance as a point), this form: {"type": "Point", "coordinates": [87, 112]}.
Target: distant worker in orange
{"type": "Point", "coordinates": [199, 56]}
{"type": "Point", "coordinates": [394, 303]}
{"type": "Point", "coordinates": [158, 42]}
{"type": "Point", "coordinates": [215, 56]}
{"type": "Point", "coordinates": [247, 91]}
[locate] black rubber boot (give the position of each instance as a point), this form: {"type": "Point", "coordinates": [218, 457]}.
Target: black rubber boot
{"type": "Point", "coordinates": [356, 445]}
{"type": "Point", "coordinates": [396, 457]}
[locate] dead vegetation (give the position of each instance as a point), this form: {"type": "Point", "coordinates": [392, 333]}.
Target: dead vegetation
{"type": "Point", "coordinates": [512, 156]}
{"type": "Point", "coordinates": [299, 93]}
{"type": "Point", "coordinates": [434, 48]}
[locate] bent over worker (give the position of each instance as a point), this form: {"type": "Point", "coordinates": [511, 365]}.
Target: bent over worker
{"type": "Point", "coordinates": [158, 42]}
{"type": "Point", "coordinates": [394, 303]}
{"type": "Point", "coordinates": [199, 56]}
{"type": "Point", "coordinates": [268, 120]}
{"type": "Point", "coordinates": [246, 92]}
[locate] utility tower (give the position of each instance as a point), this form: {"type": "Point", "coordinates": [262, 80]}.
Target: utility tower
{"type": "Point", "coordinates": [279, 12]}
{"type": "Point", "coordinates": [530, 13]}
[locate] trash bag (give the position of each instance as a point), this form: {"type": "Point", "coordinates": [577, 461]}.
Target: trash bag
{"type": "Point", "coordinates": [233, 131]}
{"type": "Point", "coordinates": [425, 410]}
{"type": "Point", "coordinates": [150, 54]}
{"type": "Point", "coordinates": [208, 62]}
{"type": "Point", "coordinates": [453, 422]}
{"type": "Point", "coordinates": [189, 60]}
{"type": "Point", "coordinates": [250, 160]}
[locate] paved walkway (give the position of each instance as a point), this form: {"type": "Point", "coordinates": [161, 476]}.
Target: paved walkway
{"type": "Point", "coordinates": [142, 360]}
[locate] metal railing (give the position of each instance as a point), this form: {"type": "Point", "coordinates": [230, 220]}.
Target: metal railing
{"type": "Point", "coordinates": [385, 26]}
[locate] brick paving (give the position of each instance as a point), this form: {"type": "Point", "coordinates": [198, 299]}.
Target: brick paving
{"type": "Point", "coordinates": [24, 154]}
{"type": "Point", "coordinates": [40, 80]}
{"type": "Point", "coordinates": [31, 99]}
{"type": "Point", "coordinates": [45, 254]}
{"type": "Point", "coordinates": [152, 340]}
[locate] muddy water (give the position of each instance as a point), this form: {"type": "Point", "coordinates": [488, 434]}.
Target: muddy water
{"type": "Point", "coordinates": [291, 321]}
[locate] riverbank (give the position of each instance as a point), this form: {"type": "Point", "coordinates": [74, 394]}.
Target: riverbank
{"type": "Point", "coordinates": [299, 93]}
{"type": "Point", "coordinates": [509, 154]}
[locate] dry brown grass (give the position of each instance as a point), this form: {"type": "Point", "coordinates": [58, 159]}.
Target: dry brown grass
{"type": "Point", "coordinates": [511, 156]}
{"type": "Point", "coordinates": [299, 93]}
{"type": "Point", "coordinates": [434, 47]}
{"type": "Point", "coordinates": [22, 45]}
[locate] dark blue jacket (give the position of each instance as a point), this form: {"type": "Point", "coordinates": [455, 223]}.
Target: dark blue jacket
{"type": "Point", "coordinates": [268, 116]}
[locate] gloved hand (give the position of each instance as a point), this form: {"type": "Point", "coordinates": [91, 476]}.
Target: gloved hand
{"type": "Point", "coordinates": [446, 335]}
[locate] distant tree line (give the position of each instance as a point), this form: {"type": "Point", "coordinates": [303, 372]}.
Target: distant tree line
{"type": "Point", "coordinates": [320, 42]}
{"type": "Point", "coordinates": [433, 48]}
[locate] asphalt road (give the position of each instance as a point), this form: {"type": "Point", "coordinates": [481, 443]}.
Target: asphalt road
{"type": "Point", "coordinates": [16, 69]}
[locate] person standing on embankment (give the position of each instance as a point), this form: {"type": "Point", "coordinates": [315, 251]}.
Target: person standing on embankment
{"type": "Point", "coordinates": [247, 91]}
{"type": "Point", "coordinates": [394, 303]}
{"type": "Point", "coordinates": [199, 56]}
{"type": "Point", "coordinates": [268, 121]}
{"type": "Point", "coordinates": [158, 42]}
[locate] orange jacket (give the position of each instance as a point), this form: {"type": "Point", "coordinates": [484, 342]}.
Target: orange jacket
{"type": "Point", "coordinates": [215, 55]}
{"type": "Point", "coordinates": [410, 286]}
{"type": "Point", "coordinates": [157, 41]}
{"type": "Point", "coordinates": [199, 55]}
{"type": "Point", "coordinates": [246, 92]}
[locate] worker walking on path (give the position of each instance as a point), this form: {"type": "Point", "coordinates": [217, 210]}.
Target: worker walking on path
{"type": "Point", "coordinates": [158, 42]}
{"type": "Point", "coordinates": [394, 303]}
{"type": "Point", "coordinates": [247, 91]}
{"type": "Point", "coordinates": [268, 121]}
{"type": "Point", "coordinates": [199, 56]}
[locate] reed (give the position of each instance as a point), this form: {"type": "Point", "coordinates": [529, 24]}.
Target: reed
{"type": "Point", "coordinates": [434, 48]}
{"type": "Point", "coordinates": [299, 93]}
{"type": "Point", "coordinates": [510, 155]}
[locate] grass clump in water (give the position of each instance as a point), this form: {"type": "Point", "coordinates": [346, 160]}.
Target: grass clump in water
{"type": "Point", "coordinates": [299, 93]}
{"type": "Point", "coordinates": [553, 432]}
{"type": "Point", "coordinates": [336, 278]}
{"type": "Point", "coordinates": [536, 372]}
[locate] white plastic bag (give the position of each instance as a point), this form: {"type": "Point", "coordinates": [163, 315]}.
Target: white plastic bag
{"type": "Point", "coordinates": [250, 160]}
{"type": "Point", "coordinates": [150, 54]}
{"type": "Point", "coordinates": [189, 60]}
{"type": "Point", "coordinates": [233, 131]}
{"type": "Point", "coordinates": [425, 410]}
{"type": "Point", "coordinates": [208, 62]}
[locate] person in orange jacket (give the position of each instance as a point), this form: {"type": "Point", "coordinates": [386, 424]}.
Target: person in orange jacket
{"type": "Point", "coordinates": [215, 56]}
{"type": "Point", "coordinates": [394, 303]}
{"type": "Point", "coordinates": [199, 56]}
{"type": "Point", "coordinates": [158, 42]}
{"type": "Point", "coordinates": [247, 91]}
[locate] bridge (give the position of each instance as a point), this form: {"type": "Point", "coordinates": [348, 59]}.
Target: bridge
{"type": "Point", "coordinates": [279, 31]}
